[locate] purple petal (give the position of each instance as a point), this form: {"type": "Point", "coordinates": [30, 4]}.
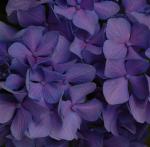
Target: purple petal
{"type": "Point", "coordinates": [35, 91]}
{"type": "Point", "coordinates": [77, 46]}
{"type": "Point", "coordinates": [132, 54]}
{"type": "Point", "coordinates": [139, 86]}
{"type": "Point", "coordinates": [7, 110]}
{"type": "Point", "coordinates": [90, 110]}
{"type": "Point", "coordinates": [20, 123]}
{"type": "Point", "coordinates": [93, 49]}
{"type": "Point", "coordinates": [19, 51]}
{"type": "Point", "coordinates": [52, 93]}
{"type": "Point", "coordinates": [139, 36]}
{"type": "Point", "coordinates": [32, 36]}
{"type": "Point", "coordinates": [116, 91]}
{"type": "Point", "coordinates": [7, 33]}
{"type": "Point", "coordinates": [132, 5]}
{"type": "Point", "coordinates": [138, 109]}
{"type": "Point", "coordinates": [135, 67]}
{"type": "Point", "coordinates": [114, 68]}
{"type": "Point", "coordinates": [106, 9]}
{"type": "Point", "coordinates": [14, 82]}
{"type": "Point", "coordinates": [114, 50]}
{"type": "Point", "coordinates": [110, 117]}
{"type": "Point", "coordinates": [61, 53]}
{"type": "Point", "coordinates": [79, 92]}
{"type": "Point", "coordinates": [40, 129]}
{"type": "Point", "coordinates": [87, 4]}
{"type": "Point", "coordinates": [71, 122]}
{"type": "Point", "coordinates": [80, 73]}
{"type": "Point", "coordinates": [142, 18]}
{"type": "Point", "coordinates": [86, 20]}
{"type": "Point", "coordinates": [66, 12]}
{"type": "Point", "coordinates": [34, 16]}
{"type": "Point", "coordinates": [147, 53]}
{"type": "Point", "coordinates": [118, 30]}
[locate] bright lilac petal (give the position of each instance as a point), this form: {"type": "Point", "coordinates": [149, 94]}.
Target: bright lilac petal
{"type": "Point", "coordinates": [14, 82]}
{"type": "Point", "coordinates": [80, 73]}
{"type": "Point", "coordinates": [116, 91]}
{"type": "Point", "coordinates": [79, 92]}
{"type": "Point", "coordinates": [19, 51]}
{"type": "Point", "coordinates": [31, 37]}
{"type": "Point", "coordinates": [110, 118]}
{"type": "Point", "coordinates": [118, 30]}
{"type": "Point", "coordinates": [66, 12]}
{"type": "Point", "coordinates": [34, 16]}
{"type": "Point", "coordinates": [7, 110]}
{"type": "Point", "coordinates": [86, 20]}
{"type": "Point", "coordinates": [90, 110]}
{"type": "Point", "coordinates": [138, 109]}
{"type": "Point", "coordinates": [87, 4]}
{"type": "Point", "coordinates": [106, 9]}
{"type": "Point", "coordinates": [77, 46]}
{"type": "Point", "coordinates": [20, 123]}
{"type": "Point", "coordinates": [114, 50]}
{"type": "Point", "coordinates": [114, 68]}
{"type": "Point", "coordinates": [132, 5]}
{"type": "Point", "coordinates": [139, 86]}
{"type": "Point", "coordinates": [139, 35]}
{"type": "Point", "coordinates": [61, 53]}
{"type": "Point", "coordinates": [7, 33]}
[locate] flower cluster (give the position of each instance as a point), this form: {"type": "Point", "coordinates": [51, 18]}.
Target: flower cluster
{"type": "Point", "coordinates": [75, 73]}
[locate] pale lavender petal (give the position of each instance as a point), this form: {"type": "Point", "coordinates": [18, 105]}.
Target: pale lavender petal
{"type": "Point", "coordinates": [91, 110]}
{"type": "Point", "coordinates": [110, 118]}
{"type": "Point", "coordinates": [138, 109]}
{"type": "Point", "coordinates": [106, 9]}
{"type": "Point", "coordinates": [114, 50]}
{"type": "Point", "coordinates": [20, 123]}
{"type": "Point", "coordinates": [19, 51]}
{"type": "Point", "coordinates": [66, 12]}
{"type": "Point", "coordinates": [14, 82]}
{"type": "Point", "coordinates": [147, 53]}
{"type": "Point", "coordinates": [114, 68]}
{"type": "Point", "coordinates": [118, 30]}
{"type": "Point", "coordinates": [93, 49]}
{"type": "Point", "coordinates": [79, 92]}
{"type": "Point", "coordinates": [81, 73]}
{"type": "Point", "coordinates": [116, 91]}
{"type": "Point", "coordinates": [86, 20]}
{"type": "Point", "coordinates": [87, 4]}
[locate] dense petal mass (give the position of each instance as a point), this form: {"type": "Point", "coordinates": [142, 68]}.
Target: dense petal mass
{"type": "Point", "coordinates": [118, 30]}
{"type": "Point", "coordinates": [106, 9]}
{"type": "Point", "coordinates": [116, 91]}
